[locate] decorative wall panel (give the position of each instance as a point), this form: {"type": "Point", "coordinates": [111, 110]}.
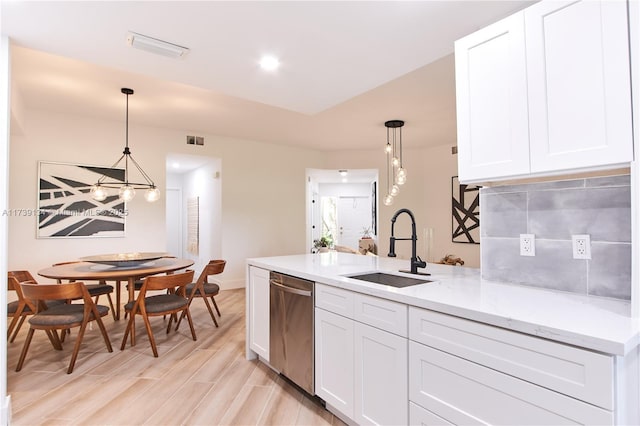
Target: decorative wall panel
{"type": "Point", "coordinates": [66, 209]}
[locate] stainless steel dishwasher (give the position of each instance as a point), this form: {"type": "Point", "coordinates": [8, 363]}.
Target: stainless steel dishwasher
{"type": "Point", "coordinates": [291, 324]}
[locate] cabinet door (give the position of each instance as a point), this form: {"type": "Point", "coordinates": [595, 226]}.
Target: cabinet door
{"type": "Point", "coordinates": [259, 311]}
{"type": "Point", "coordinates": [334, 379]}
{"type": "Point", "coordinates": [381, 377]}
{"type": "Point", "coordinates": [491, 97]}
{"type": "Point", "coordinates": [578, 84]}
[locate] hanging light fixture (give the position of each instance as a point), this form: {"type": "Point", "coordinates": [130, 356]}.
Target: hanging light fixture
{"type": "Point", "coordinates": [396, 174]}
{"type": "Point", "coordinates": [126, 189]}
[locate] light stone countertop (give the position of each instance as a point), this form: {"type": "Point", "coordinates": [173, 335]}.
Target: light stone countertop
{"type": "Point", "coordinates": [595, 323]}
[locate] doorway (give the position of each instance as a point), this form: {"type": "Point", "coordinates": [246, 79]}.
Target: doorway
{"type": "Point", "coordinates": [342, 206]}
{"type": "Point", "coordinates": [194, 210]}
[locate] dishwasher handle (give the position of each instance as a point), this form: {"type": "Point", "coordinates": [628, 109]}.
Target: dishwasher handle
{"type": "Point", "coordinates": [287, 289]}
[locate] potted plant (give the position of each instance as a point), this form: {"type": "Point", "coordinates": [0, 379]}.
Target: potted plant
{"type": "Point", "coordinates": [323, 244]}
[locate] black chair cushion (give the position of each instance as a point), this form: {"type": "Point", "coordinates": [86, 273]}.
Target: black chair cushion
{"type": "Point", "coordinates": [12, 307]}
{"type": "Point", "coordinates": [161, 303]}
{"type": "Point", "coordinates": [64, 314]}
{"type": "Point", "coordinates": [99, 289]}
{"type": "Point", "coordinates": [137, 285]}
{"type": "Point", "coordinates": [210, 289]}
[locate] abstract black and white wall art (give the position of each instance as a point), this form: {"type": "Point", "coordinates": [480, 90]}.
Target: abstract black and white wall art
{"type": "Point", "coordinates": [465, 210]}
{"type": "Point", "coordinates": [65, 206]}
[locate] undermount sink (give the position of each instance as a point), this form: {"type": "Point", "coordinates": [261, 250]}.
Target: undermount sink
{"type": "Point", "coordinates": [389, 279]}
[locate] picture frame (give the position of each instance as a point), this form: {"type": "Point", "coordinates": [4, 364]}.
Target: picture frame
{"type": "Point", "coordinates": [465, 212]}
{"type": "Point", "coordinates": [65, 208]}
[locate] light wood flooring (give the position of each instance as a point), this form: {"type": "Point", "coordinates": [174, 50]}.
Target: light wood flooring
{"type": "Point", "coordinates": [206, 382]}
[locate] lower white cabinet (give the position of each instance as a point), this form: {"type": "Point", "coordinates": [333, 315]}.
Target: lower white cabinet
{"type": "Point", "coordinates": [465, 372]}
{"type": "Point", "coordinates": [334, 360]}
{"type": "Point", "coordinates": [463, 392]}
{"type": "Point", "coordinates": [259, 311]}
{"type": "Point", "coordinates": [380, 377]}
{"type": "Point", "coordinates": [419, 416]}
{"type": "Point", "coordinates": [361, 370]}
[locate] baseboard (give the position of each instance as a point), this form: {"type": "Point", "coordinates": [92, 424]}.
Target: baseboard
{"type": "Point", "coordinates": [5, 411]}
{"type": "Point", "coordinates": [232, 284]}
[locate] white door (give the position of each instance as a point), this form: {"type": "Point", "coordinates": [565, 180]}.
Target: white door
{"type": "Point", "coordinates": [174, 221]}
{"type": "Point", "coordinates": [334, 379]}
{"type": "Point", "coordinates": [579, 84]}
{"type": "Point", "coordinates": [381, 377]}
{"type": "Point", "coordinates": [491, 102]}
{"type": "Point", "coordinates": [354, 215]}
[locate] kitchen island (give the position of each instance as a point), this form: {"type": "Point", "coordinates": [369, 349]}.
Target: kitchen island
{"type": "Point", "coordinates": [533, 349]}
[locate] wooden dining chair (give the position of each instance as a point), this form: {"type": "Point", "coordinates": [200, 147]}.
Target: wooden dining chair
{"type": "Point", "coordinates": [204, 289]}
{"type": "Point", "coordinates": [173, 301]}
{"type": "Point", "coordinates": [96, 290]}
{"type": "Point", "coordinates": [61, 316]}
{"type": "Point", "coordinates": [18, 309]}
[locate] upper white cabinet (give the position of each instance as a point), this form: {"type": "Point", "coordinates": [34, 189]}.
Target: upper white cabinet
{"type": "Point", "coordinates": [491, 101]}
{"type": "Point", "coordinates": [545, 91]}
{"type": "Point", "coordinates": [579, 84]}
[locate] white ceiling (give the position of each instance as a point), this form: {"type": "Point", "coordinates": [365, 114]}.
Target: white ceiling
{"type": "Point", "coordinates": [347, 67]}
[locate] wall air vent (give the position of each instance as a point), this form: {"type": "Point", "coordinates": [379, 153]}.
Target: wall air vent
{"type": "Point", "coordinates": [195, 140]}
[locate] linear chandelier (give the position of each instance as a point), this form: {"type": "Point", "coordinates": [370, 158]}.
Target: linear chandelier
{"type": "Point", "coordinates": [396, 174]}
{"type": "Point", "coordinates": [126, 189]}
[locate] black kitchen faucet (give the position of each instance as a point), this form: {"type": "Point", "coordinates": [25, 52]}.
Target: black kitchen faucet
{"type": "Point", "coordinates": [416, 262]}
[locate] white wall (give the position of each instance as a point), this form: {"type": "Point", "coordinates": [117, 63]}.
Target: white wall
{"type": "Point", "coordinates": [5, 411]}
{"type": "Point", "coordinates": [263, 190]}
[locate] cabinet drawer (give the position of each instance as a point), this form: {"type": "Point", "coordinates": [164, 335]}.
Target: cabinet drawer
{"type": "Point", "coordinates": [463, 392]}
{"type": "Point", "coordinates": [418, 416]}
{"type": "Point", "coordinates": [334, 299]}
{"type": "Point", "coordinates": [572, 371]}
{"type": "Point", "coordinates": [380, 313]}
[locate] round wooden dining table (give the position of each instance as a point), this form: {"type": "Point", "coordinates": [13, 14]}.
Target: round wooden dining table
{"type": "Point", "coordinates": [80, 271]}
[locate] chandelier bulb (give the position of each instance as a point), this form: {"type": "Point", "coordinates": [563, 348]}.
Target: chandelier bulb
{"type": "Point", "coordinates": [388, 148]}
{"type": "Point", "coordinates": [98, 193]}
{"type": "Point", "coordinates": [401, 179]}
{"type": "Point", "coordinates": [395, 189]}
{"type": "Point", "coordinates": [152, 194]}
{"type": "Point", "coordinates": [126, 193]}
{"type": "Point", "coordinates": [388, 200]}
{"type": "Point", "coordinates": [395, 161]}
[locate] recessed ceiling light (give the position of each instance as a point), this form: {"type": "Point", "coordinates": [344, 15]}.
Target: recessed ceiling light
{"type": "Point", "coordinates": [269, 63]}
{"type": "Point", "coordinates": [176, 165]}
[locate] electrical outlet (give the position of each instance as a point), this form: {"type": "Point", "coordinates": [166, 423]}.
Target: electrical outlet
{"type": "Point", "coordinates": [527, 245]}
{"type": "Point", "coordinates": [581, 246]}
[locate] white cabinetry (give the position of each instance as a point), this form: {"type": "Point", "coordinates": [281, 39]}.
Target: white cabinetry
{"type": "Point", "coordinates": [491, 101]}
{"type": "Point", "coordinates": [334, 360]}
{"type": "Point", "coordinates": [545, 91]}
{"type": "Point", "coordinates": [361, 355]}
{"type": "Point", "coordinates": [466, 372]}
{"type": "Point", "coordinates": [259, 311]}
{"type": "Point", "coordinates": [380, 377]}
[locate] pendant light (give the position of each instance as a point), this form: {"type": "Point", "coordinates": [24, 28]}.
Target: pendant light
{"type": "Point", "coordinates": [126, 189]}
{"type": "Point", "coordinates": [396, 174]}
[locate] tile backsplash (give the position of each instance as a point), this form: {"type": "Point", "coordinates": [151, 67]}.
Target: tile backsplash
{"type": "Point", "coordinates": [553, 212]}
